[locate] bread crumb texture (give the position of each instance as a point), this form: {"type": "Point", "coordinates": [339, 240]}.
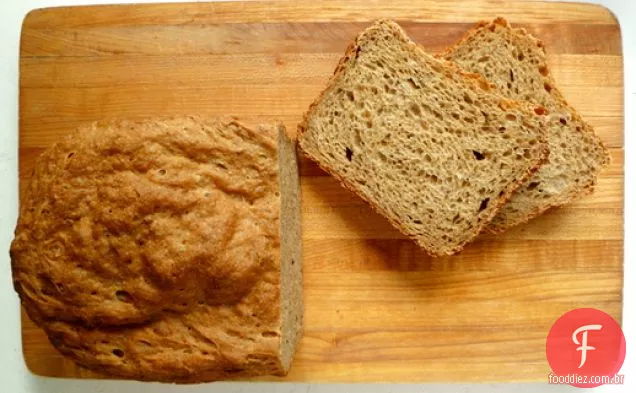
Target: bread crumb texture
{"type": "Point", "coordinates": [515, 62]}
{"type": "Point", "coordinates": [432, 148]}
{"type": "Point", "coordinates": [150, 249]}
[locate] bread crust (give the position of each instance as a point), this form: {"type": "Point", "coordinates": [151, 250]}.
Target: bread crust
{"type": "Point", "coordinates": [150, 249]}
{"type": "Point", "coordinates": [583, 189]}
{"type": "Point", "coordinates": [476, 79]}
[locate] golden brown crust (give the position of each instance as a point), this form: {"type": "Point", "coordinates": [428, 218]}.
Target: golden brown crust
{"type": "Point", "coordinates": [150, 249]}
{"type": "Point", "coordinates": [476, 79]}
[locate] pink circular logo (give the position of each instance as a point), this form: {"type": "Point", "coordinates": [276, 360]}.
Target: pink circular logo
{"type": "Point", "coordinates": [585, 348]}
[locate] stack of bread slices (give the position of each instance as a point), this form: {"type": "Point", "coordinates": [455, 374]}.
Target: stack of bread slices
{"type": "Point", "coordinates": [445, 147]}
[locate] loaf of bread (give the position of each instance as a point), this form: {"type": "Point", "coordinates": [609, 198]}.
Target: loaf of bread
{"type": "Point", "coordinates": [165, 250]}
{"type": "Point", "coordinates": [433, 149]}
{"type": "Point", "coordinates": [515, 62]}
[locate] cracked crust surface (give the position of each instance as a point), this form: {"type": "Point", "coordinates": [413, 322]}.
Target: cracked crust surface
{"type": "Point", "coordinates": [151, 249]}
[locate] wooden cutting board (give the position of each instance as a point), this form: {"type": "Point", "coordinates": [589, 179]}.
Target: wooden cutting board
{"type": "Point", "coordinates": [377, 308]}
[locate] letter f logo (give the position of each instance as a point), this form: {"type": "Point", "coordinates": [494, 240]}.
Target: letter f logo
{"type": "Point", "coordinates": [584, 347]}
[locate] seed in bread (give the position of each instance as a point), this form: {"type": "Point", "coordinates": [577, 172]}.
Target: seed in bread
{"type": "Point", "coordinates": [166, 249]}
{"type": "Point", "coordinates": [430, 147]}
{"type": "Point", "coordinates": [515, 62]}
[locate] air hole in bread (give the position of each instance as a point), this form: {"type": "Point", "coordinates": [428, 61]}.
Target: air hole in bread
{"type": "Point", "coordinates": [469, 100]}
{"type": "Point", "coordinates": [419, 222]}
{"type": "Point", "coordinates": [521, 56]}
{"type": "Point", "coordinates": [511, 117]}
{"type": "Point", "coordinates": [478, 156]}
{"type": "Point", "coordinates": [455, 115]}
{"type": "Point", "coordinates": [161, 171]}
{"type": "Point", "coordinates": [547, 87]}
{"type": "Point", "coordinates": [118, 352]}
{"type": "Point", "coordinates": [269, 334]}
{"type": "Point", "coordinates": [563, 121]}
{"type": "Point", "coordinates": [123, 296]}
{"type": "Point", "coordinates": [512, 76]}
{"type": "Point", "coordinates": [532, 185]}
{"type": "Point", "coordinates": [412, 83]}
{"type": "Point", "coordinates": [501, 129]}
{"type": "Point", "coordinates": [293, 262]}
{"type": "Point", "coordinates": [416, 109]}
{"type": "Point", "coordinates": [71, 154]}
{"type": "Point", "coordinates": [543, 70]}
{"type": "Point", "coordinates": [540, 110]}
{"type": "Point", "coordinates": [349, 153]}
{"type": "Point", "coordinates": [484, 204]}
{"type": "Point", "coordinates": [144, 342]}
{"type": "Point", "coordinates": [509, 85]}
{"type": "Point", "coordinates": [483, 59]}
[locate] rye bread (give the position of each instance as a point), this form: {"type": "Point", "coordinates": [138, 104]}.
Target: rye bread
{"type": "Point", "coordinates": [515, 61]}
{"type": "Point", "coordinates": [432, 148]}
{"type": "Point", "coordinates": [166, 249]}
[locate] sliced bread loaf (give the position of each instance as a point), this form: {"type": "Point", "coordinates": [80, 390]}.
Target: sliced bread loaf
{"type": "Point", "coordinates": [166, 249]}
{"type": "Point", "coordinates": [515, 62]}
{"type": "Point", "coordinates": [430, 147]}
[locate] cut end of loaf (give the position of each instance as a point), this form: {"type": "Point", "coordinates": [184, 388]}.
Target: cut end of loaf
{"type": "Point", "coordinates": [426, 144]}
{"type": "Point", "coordinates": [291, 258]}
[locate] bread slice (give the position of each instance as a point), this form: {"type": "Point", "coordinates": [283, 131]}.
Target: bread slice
{"type": "Point", "coordinates": [515, 62]}
{"type": "Point", "coordinates": [165, 249]}
{"type": "Point", "coordinates": [430, 147]}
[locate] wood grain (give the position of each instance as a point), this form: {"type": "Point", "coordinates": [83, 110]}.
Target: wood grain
{"type": "Point", "coordinates": [377, 307]}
